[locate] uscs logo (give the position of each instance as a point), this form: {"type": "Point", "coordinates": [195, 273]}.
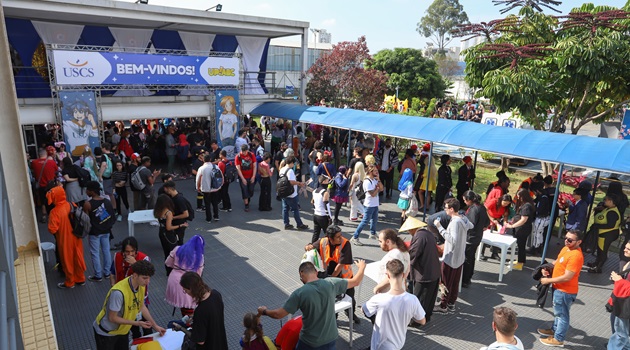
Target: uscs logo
{"type": "Point", "coordinates": [78, 69]}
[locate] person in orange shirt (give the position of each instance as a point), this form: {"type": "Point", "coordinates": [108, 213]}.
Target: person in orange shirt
{"type": "Point", "coordinates": [565, 283]}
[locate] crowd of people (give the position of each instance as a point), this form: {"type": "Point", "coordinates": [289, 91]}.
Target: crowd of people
{"type": "Point", "coordinates": [303, 164]}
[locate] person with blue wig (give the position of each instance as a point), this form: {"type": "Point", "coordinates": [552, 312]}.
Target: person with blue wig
{"type": "Point", "coordinates": [187, 257]}
{"type": "Point", "coordinates": [405, 186]}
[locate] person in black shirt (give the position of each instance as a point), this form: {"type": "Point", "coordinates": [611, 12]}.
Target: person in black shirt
{"type": "Point", "coordinates": [181, 210]}
{"type": "Point", "coordinates": [102, 218]}
{"type": "Point", "coordinates": [208, 330]}
{"type": "Point", "coordinates": [444, 181]}
{"type": "Point", "coordinates": [478, 216]}
{"type": "Point", "coordinates": [215, 150]}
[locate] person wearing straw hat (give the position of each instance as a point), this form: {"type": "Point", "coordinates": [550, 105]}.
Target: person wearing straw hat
{"type": "Point", "coordinates": [425, 264]}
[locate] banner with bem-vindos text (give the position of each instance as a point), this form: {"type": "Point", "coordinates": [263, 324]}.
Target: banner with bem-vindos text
{"type": "Point", "coordinates": [123, 68]}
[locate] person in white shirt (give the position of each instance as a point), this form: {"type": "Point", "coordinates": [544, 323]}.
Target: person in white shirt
{"type": "Point", "coordinates": [211, 195]}
{"type": "Point", "coordinates": [372, 186]}
{"type": "Point", "coordinates": [454, 253]}
{"type": "Point", "coordinates": [504, 326]}
{"type": "Point", "coordinates": [290, 203]}
{"type": "Point", "coordinates": [393, 310]}
{"type": "Point", "coordinates": [396, 249]}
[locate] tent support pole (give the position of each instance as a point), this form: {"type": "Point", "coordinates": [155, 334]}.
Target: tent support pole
{"type": "Point", "coordinates": [472, 183]}
{"type": "Point", "coordinates": [590, 206]}
{"type": "Point", "coordinates": [553, 212]}
{"type": "Point", "coordinates": [349, 153]}
{"type": "Point", "coordinates": [426, 188]}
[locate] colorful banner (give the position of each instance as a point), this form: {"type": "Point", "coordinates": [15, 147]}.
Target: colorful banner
{"type": "Point", "coordinates": [227, 107]}
{"type": "Point", "coordinates": [122, 68]}
{"type": "Point", "coordinates": [624, 130]}
{"type": "Point", "coordinates": [79, 120]}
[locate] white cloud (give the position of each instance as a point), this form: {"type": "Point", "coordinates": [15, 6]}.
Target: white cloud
{"type": "Point", "coordinates": [329, 22]}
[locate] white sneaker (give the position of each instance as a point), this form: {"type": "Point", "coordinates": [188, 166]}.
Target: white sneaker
{"type": "Point", "coordinates": [374, 237]}
{"type": "Point", "coordinates": [119, 218]}
{"type": "Point", "coordinates": [355, 241]}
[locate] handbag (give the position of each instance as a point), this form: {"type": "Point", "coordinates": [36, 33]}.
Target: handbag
{"type": "Point", "coordinates": [41, 173]}
{"type": "Point", "coordinates": [413, 207]}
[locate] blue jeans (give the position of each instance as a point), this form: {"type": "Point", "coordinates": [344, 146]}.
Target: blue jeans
{"type": "Point", "coordinates": [370, 215]}
{"type": "Point", "coordinates": [303, 346]}
{"type": "Point", "coordinates": [561, 305]}
{"type": "Point", "coordinates": [619, 340]}
{"type": "Point", "coordinates": [100, 244]}
{"type": "Point", "coordinates": [289, 203]}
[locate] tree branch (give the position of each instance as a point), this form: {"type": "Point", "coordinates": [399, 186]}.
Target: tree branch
{"type": "Point", "coordinates": [586, 120]}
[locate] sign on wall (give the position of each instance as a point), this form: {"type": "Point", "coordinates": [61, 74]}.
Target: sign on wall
{"type": "Point", "coordinates": [123, 68]}
{"type": "Point", "coordinates": [79, 120]}
{"type": "Point", "coordinates": [226, 108]}
{"type": "Point", "coordinates": [624, 131]}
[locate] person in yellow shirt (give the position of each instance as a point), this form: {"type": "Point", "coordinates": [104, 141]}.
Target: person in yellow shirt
{"type": "Point", "coordinates": [121, 309]}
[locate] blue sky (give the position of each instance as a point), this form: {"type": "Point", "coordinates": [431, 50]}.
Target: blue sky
{"type": "Point", "coordinates": [386, 24]}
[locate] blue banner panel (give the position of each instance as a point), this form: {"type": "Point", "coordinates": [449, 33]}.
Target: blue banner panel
{"type": "Point", "coordinates": [121, 68]}
{"type": "Point", "coordinates": [624, 131]}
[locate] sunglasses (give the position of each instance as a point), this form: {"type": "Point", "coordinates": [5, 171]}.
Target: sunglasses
{"type": "Point", "coordinates": [570, 240]}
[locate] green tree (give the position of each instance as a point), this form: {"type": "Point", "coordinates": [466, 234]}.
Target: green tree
{"type": "Point", "coordinates": [441, 18]}
{"type": "Point", "coordinates": [340, 78]}
{"type": "Point", "coordinates": [415, 76]}
{"type": "Point", "coordinates": [554, 69]}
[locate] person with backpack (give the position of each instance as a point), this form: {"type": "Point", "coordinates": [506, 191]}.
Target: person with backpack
{"type": "Point", "coordinates": [209, 181]}
{"type": "Point", "coordinates": [69, 246]}
{"type": "Point", "coordinates": [183, 210]}
{"type": "Point", "coordinates": [372, 186]}
{"type": "Point", "coordinates": [246, 166]}
{"type": "Point", "coordinates": [102, 218]}
{"type": "Point", "coordinates": [230, 174]}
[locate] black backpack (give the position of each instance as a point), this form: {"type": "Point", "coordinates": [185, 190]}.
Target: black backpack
{"type": "Point", "coordinates": [283, 186]}
{"type": "Point", "coordinates": [189, 208]}
{"type": "Point", "coordinates": [84, 176]}
{"type": "Point", "coordinates": [231, 174]}
{"type": "Point", "coordinates": [360, 191]}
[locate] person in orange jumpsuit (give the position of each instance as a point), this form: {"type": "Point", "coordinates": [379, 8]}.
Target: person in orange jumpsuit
{"type": "Point", "coordinates": [70, 247]}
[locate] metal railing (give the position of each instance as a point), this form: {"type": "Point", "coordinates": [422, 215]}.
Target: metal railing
{"type": "Point", "coordinates": [10, 334]}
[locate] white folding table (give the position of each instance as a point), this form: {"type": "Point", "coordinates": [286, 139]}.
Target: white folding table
{"type": "Point", "coordinates": [139, 217]}
{"type": "Point", "coordinates": [504, 242]}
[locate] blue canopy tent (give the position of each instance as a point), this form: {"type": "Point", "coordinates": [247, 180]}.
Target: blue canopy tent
{"type": "Point", "coordinates": [581, 151]}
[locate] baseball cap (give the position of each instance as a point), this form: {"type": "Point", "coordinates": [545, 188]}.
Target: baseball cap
{"type": "Point", "coordinates": [135, 156]}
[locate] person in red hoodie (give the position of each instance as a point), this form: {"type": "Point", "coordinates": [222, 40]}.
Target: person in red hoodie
{"type": "Point", "coordinates": [619, 305]}
{"type": "Point", "coordinates": [125, 146]}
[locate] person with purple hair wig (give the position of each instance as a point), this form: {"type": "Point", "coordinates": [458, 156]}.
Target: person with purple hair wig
{"type": "Point", "coordinates": [188, 257]}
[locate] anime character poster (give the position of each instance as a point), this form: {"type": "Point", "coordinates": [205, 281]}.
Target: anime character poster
{"type": "Point", "coordinates": [227, 107]}
{"type": "Point", "coordinates": [79, 120]}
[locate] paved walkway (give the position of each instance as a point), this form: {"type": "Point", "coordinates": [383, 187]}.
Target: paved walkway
{"type": "Point", "coordinates": [252, 261]}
